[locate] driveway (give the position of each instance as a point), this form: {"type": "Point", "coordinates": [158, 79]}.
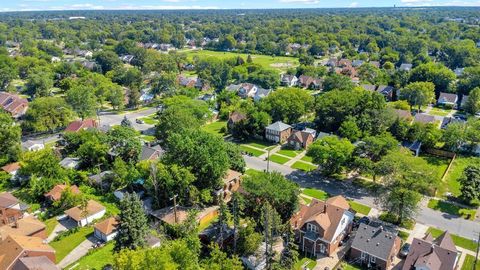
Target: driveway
{"type": "Point", "coordinates": [455, 225]}
{"type": "Point", "coordinates": [63, 225]}
{"type": "Point", "coordinates": [78, 252]}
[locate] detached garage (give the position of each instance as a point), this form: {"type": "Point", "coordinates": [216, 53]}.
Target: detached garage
{"type": "Point", "coordinates": [107, 229]}
{"type": "Point", "coordinates": [84, 217]}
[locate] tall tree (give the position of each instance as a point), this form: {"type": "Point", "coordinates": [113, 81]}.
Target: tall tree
{"type": "Point", "coordinates": [47, 114]}
{"type": "Point", "coordinates": [470, 183]}
{"type": "Point", "coordinates": [133, 224]}
{"type": "Point", "coordinates": [10, 135]}
{"type": "Point", "coordinates": [418, 93]}
{"type": "Point", "coordinates": [288, 105]}
{"type": "Point", "coordinates": [83, 101]}
{"type": "Point", "coordinates": [331, 153]}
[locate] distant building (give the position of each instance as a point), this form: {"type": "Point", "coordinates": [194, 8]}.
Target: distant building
{"type": "Point", "coordinates": [79, 125]}
{"type": "Point", "coordinates": [405, 67]}
{"type": "Point", "coordinates": [231, 183]}
{"type": "Point", "coordinates": [151, 153]}
{"type": "Point", "coordinates": [424, 118]}
{"type": "Point", "coordinates": [300, 139]}
{"type": "Point", "coordinates": [234, 118]}
{"type": "Point", "coordinates": [12, 169]}
{"type": "Point", "coordinates": [56, 192]}
{"type": "Point", "coordinates": [11, 209]}
{"type": "Point", "coordinates": [32, 146]}
{"type": "Point", "coordinates": [13, 104]}
{"type": "Point", "coordinates": [70, 163]}
{"type": "Point", "coordinates": [26, 226]}
{"type": "Point", "coordinates": [289, 80]}
{"type": "Point", "coordinates": [447, 99]}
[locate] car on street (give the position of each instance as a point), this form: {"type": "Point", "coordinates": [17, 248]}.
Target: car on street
{"type": "Point", "coordinates": [139, 121]}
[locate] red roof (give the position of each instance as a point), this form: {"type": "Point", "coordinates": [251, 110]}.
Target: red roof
{"type": "Point", "coordinates": [78, 125]}
{"type": "Point", "coordinates": [9, 168]}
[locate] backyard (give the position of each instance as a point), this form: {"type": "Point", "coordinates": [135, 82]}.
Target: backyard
{"type": "Point", "coordinates": [66, 244]}
{"type": "Point", "coordinates": [305, 262]}
{"type": "Point", "coordinates": [216, 128]}
{"type": "Point", "coordinates": [95, 259]}
{"type": "Point", "coordinates": [455, 173]}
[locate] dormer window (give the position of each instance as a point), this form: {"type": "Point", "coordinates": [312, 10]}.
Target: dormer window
{"type": "Point", "coordinates": [312, 228]}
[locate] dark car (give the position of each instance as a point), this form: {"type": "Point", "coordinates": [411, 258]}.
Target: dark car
{"type": "Point", "coordinates": [365, 220]}
{"type": "Point", "coordinates": [139, 121]}
{"type": "Point", "coordinates": [404, 250]}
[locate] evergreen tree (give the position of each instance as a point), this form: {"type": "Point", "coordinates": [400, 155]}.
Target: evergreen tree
{"type": "Point", "coordinates": [132, 228]}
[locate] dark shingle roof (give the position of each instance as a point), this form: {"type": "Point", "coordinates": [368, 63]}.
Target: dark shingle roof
{"type": "Point", "coordinates": [374, 240]}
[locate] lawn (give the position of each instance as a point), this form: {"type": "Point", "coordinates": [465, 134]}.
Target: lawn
{"type": "Point", "coordinates": [148, 138]}
{"type": "Point", "coordinates": [150, 120]}
{"type": "Point", "coordinates": [68, 243]}
{"type": "Point", "coordinates": [455, 173]}
{"type": "Point", "coordinates": [303, 166]}
{"type": "Point", "coordinates": [50, 224]}
{"type": "Point", "coordinates": [266, 61]}
{"type": "Point", "coordinates": [309, 263]}
{"type": "Point", "coordinates": [260, 144]}
{"type": "Point", "coordinates": [96, 259]}
{"type": "Point", "coordinates": [458, 240]}
{"type": "Point", "coordinates": [439, 111]}
{"type": "Point", "coordinates": [306, 200]}
{"type": "Point", "coordinates": [403, 235]}
{"type": "Point", "coordinates": [316, 193]}
{"type": "Point", "coordinates": [279, 159]}
{"type": "Point", "coordinates": [438, 165]}
{"type": "Point", "coordinates": [452, 209]}
{"type": "Point", "coordinates": [307, 159]}
{"type": "Point", "coordinates": [348, 266]}
{"type": "Point", "coordinates": [252, 151]}
{"type": "Point", "coordinates": [469, 262]}
{"type": "Point", "coordinates": [360, 208]}
{"type": "Point", "coordinates": [288, 152]}
{"type": "Point", "coordinates": [216, 128]}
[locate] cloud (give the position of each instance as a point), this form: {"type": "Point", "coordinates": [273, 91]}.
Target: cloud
{"type": "Point", "coordinates": [353, 4]}
{"type": "Point", "coordinates": [305, 2]}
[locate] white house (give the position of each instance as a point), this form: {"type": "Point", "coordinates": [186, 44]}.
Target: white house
{"type": "Point", "coordinates": [106, 230]}
{"type": "Point", "coordinates": [83, 217]}
{"type": "Point", "coordinates": [32, 146]}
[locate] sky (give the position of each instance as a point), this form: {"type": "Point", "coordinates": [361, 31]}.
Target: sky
{"type": "Point", "coordinates": [23, 5]}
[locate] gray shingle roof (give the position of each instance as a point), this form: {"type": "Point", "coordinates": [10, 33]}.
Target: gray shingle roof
{"type": "Point", "coordinates": [278, 126]}
{"type": "Point", "coordinates": [374, 241]}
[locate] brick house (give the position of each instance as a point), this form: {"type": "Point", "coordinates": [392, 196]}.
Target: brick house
{"type": "Point", "coordinates": [234, 118]}
{"type": "Point", "coordinates": [80, 125]}
{"type": "Point", "coordinates": [278, 132]}
{"type": "Point", "coordinates": [300, 139]}
{"type": "Point", "coordinates": [11, 209]}
{"type": "Point", "coordinates": [27, 226]}
{"type": "Point", "coordinates": [320, 226]}
{"type": "Point", "coordinates": [13, 104]}
{"type": "Point", "coordinates": [231, 183]}
{"type": "Point", "coordinates": [56, 193]}
{"type": "Point", "coordinates": [374, 247]}
{"type": "Point", "coordinates": [16, 247]}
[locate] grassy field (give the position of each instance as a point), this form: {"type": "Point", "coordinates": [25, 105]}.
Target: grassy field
{"type": "Point", "coordinates": [455, 173]}
{"type": "Point", "coordinates": [277, 62]}
{"type": "Point", "coordinates": [288, 152]}
{"type": "Point", "coordinates": [438, 165]}
{"type": "Point", "coordinates": [50, 225]}
{"type": "Point", "coordinates": [252, 151]}
{"type": "Point", "coordinates": [68, 243]}
{"type": "Point", "coordinates": [309, 263]}
{"type": "Point", "coordinates": [452, 209]}
{"type": "Point", "coordinates": [316, 193]}
{"type": "Point", "coordinates": [458, 240]}
{"type": "Point", "coordinates": [303, 166]}
{"type": "Point", "coordinates": [216, 128]}
{"type": "Point", "coordinates": [96, 259]}
{"type": "Point", "coordinates": [360, 208]}
{"type": "Point", "coordinates": [279, 159]}
{"type": "Point", "coordinates": [469, 262]}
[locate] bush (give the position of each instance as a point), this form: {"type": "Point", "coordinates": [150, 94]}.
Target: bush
{"type": "Point", "coordinates": [391, 218]}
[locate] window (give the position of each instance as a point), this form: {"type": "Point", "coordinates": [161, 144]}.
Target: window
{"type": "Point", "coordinates": [364, 255]}
{"type": "Point", "coordinates": [372, 259]}
{"type": "Point", "coordinates": [311, 227]}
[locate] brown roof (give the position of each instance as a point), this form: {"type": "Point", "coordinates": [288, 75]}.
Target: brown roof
{"type": "Point", "coordinates": [13, 103]}
{"type": "Point", "coordinates": [7, 200]}
{"type": "Point", "coordinates": [424, 118]}
{"type": "Point", "coordinates": [231, 175]}
{"type": "Point", "coordinates": [11, 167]}
{"type": "Point", "coordinates": [300, 136]}
{"type": "Point", "coordinates": [107, 226]}
{"type": "Point", "coordinates": [25, 226]}
{"type": "Point", "coordinates": [93, 207]}
{"type": "Point", "coordinates": [403, 114]}
{"type": "Point", "coordinates": [236, 117]}
{"type": "Point", "coordinates": [78, 125]}
{"type": "Point", "coordinates": [435, 254]}
{"type": "Point", "coordinates": [167, 214]}
{"type": "Point", "coordinates": [35, 263]}
{"type": "Point", "coordinates": [327, 215]}
{"type": "Point", "coordinates": [56, 193]}
{"type": "Point", "coordinates": [14, 245]}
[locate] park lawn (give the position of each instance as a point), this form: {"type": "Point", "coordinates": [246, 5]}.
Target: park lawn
{"type": "Point", "coordinates": [309, 263]}
{"type": "Point", "coordinates": [288, 152]}
{"type": "Point", "coordinates": [216, 128]}
{"type": "Point", "coordinates": [303, 166]}
{"type": "Point", "coordinates": [266, 61]}
{"type": "Point", "coordinates": [50, 225]}
{"type": "Point", "coordinates": [316, 193]}
{"type": "Point", "coordinates": [68, 243]}
{"type": "Point", "coordinates": [455, 173]}
{"type": "Point", "coordinates": [252, 151]}
{"type": "Point", "coordinates": [95, 259]}
{"type": "Point", "coordinates": [279, 159]}
{"type": "Point", "coordinates": [458, 240]}
{"type": "Point", "coordinates": [469, 262]}
{"type": "Point", "coordinates": [360, 208]}
{"type": "Point", "coordinates": [452, 209]}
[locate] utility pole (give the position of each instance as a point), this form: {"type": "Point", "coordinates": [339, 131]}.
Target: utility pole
{"type": "Point", "coordinates": [268, 161]}
{"type": "Point", "coordinates": [175, 206]}
{"type": "Point", "coordinates": [478, 248]}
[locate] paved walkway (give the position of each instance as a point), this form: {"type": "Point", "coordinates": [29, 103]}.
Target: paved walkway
{"type": "Point", "coordinates": [78, 252]}
{"type": "Point", "coordinates": [295, 159]}
{"type": "Point", "coordinates": [63, 225]}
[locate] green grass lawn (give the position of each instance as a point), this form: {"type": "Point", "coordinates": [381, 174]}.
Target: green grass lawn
{"type": "Point", "coordinates": [455, 173]}
{"type": "Point", "coordinates": [95, 259]}
{"type": "Point", "coordinates": [303, 166]}
{"type": "Point", "coordinates": [216, 127]}
{"type": "Point", "coordinates": [149, 120]}
{"type": "Point", "coordinates": [68, 243]}
{"type": "Point", "coordinates": [251, 172]}
{"type": "Point", "coordinates": [316, 193]}
{"type": "Point", "coordinates": [266, 61]}
{"type": "Point", "coordinates": [309, 263]}
{"type": "Point", "coordinates": [260, 144]}
{"type": "Point", "coordinates": [403, 235]}
{"type": "Point", "coordinates": [307, 159]}
{"type": "Point", "coordinates": [252, 151]}
{"type": "Point", "coordinates": [452, 209]}
{"type": "Point", "coordinates": [306, 200]}
{"type": "Point", "coordinates": [360, 208]}
{"type": "Point", "coordinates": [148, 138]}
{"type": "Point", "coordinates": [469, 262]}
{"type": "Point", "coordinates": [50, 225]}
{"type": "Point", "coordinates": [278, 159]}
{"type": "Point", "coordinates": [348, 266]}
{"type": "Point", "coordinates": [438, 165]}
{"type": "Point", "coordinates": [288, 152]}
{"type": "Point", "coordinates": [439, 111]}
{"type": "Point", "coordinates": [458, 240]}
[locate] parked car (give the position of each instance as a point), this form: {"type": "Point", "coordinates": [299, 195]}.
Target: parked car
{"type": "Point", "coordinates": [139, 121]}
{"type": "Point", "coordinates": [404, 250]}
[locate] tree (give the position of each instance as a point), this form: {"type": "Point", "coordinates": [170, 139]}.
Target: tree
{"type": "Point", "coordinates": [107, 60]}
{"type": "Point", "coordinates": [215, 71]}
{"type": "Point", "coordinates": [469, 80]}
{"type": "Point", "coordinates": [125, 143]}
{"type": "Point", "coordinates": [266, 78]}
{"type": "Point", "coordinates": [68, 199]}
{"type": "Point", "coordinates": [436, 73]}
{"type": "Point", "coordinates": [331, 153]}
{"type": "Point", "coordinates": [219, 260]}
{"type": "Point", "coordinates": [287, 105]}
{"type": "Point", "coordinates": [470, 183]}
{"type": "Point", "coordinates": [133, 224]}
{"type": "Point", "coordinates": [39, 84]}
{"type": "Point", "coordinates": [10, 135]}
{"type": "Point", "coordinates": [237, 162]}
{"type": "Point", "coordinates": [116, 98]}
{"type": "Point", "coordinates": [350, 130]}
{"type": "Point", "coordinates": [164, 83]}
{"type": "Point", "coordinates": [459, 53]}
{"type": "Point", "coordinates": [337, 82]}
{"type": "Point", "coordinates": [83, 101]}
{"type": "Point", "coordinates": [47, 114]}
{"type": "Point", "coordinates": [454, 136]}
{"type": "Point", "coordinates": [472, 105]}
{"type": "Point", "coordinates": [7, 71]}
{"type": "Point", "coordinates": [376, 147]}
{"type": "Point", "coordinates": [418, 93]}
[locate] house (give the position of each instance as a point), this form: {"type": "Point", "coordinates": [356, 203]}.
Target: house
{"type": "Point", "coordinates": [387, 91]}
{"type": "Point", "coordinates": [261, 93]}
{"type": "Point", "coordinates": [12, 169]}
{"type": "Point", "coordinates": [278, 132]}
{"type": "Point", "coordinates": [218, 234]}
{"type": "Point", "coordinates": [13, 104]}
{"type": "Point", "coordinates": [55, 59]}
{"type": "Point", "coordinates": [405, 67]}
{"type": "Point", "coordinates": [151, 153]}
{"type": "Point", "coordinates": [83, 217]}
{"type": "Point", "coordinates": [344, 63]}
{"type": "Point", "coordinates": [90, 65]}
{"type": "Point", "coordinates": [424, 118]}
{"type": "Point", "coordinates": [233, 88]}
{"type": "Point", "coordinates": [152, 241]}
{"type": "Point", "coordinates": [27, 226]}
{"type": "Point", "coordinates": [300, 139]}
{"type": "Point", "coordinates": [32, 146]}
{"type": "Point", "coordinates": [84, 53]}
{"type": "Point", "coordinates": [234, 118]}
{"type": "Point", "coordinates": [374, 247]}
{"type": "Point", "coordinates": [320, 226]}
{"type": "Point", "coordinates": [80, 125]}
{"type": "Point", "coordinates": [403, 114]}
{"type": "Point", "coordinates": [231, 183]}
{"type": "Point", "coordinates": [288, 80]}
{"type": "Point", "coordinates": [375, 64]}
{"type": "Point", "coordinates": [98, 179]}
{"type": "Point", "coordinates": [186, 82]}
{"type": "Point", "coordinates": [11, 209]}
{"type": "Point", "coordinates": [35, 263]}
{"type": "Point", "coordinates": [247, 90]}
{"type": "Point", "coordinates": [106, 230]}
{"type": "Point", "coordinates": [16, 247]}
{"type": "Point", "coordinates": [432, 254]}
{"type": "Point", "coordinates": [70, 163]}
{"type": "Point", "coordinates": [369, 87]}
{"type": "Point", "coordinates": [414, 147]}
{"type": "Point", "coordinates": [310, 82]}
{"type": "Point", "coordinates": [56, 192]}
{"type": "Point", "coordinates": [146, 96]}
{"type": "Point", "coordinates": [447, 99]}
{"type": "Point", "coordinates": [127, 58]}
